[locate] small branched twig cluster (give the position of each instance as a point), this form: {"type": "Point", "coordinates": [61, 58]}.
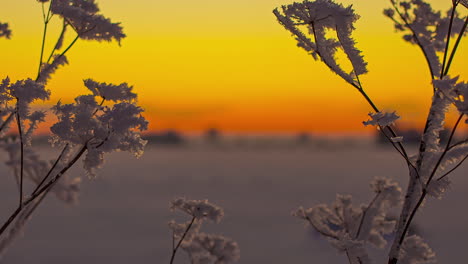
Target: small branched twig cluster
{"type": "Point", "coordinates": [201, 247]}
{"type": "Point", "coordinates": [106, 120]}
{"type": "Point", "coordinates": [350, 228]}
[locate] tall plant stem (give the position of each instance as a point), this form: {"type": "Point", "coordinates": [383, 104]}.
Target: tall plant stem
{"type": "Point", "coordinates": [174, 250]}
{"type": "Point", "coordinates": [424, 191]}
{"type": "Point", "coordinates": [43, 190]}
{"type": "Point", "coordinates": [20, 132]}
{"type": "Point", "coordinates": [455, 47]}
{"type": "Point", "coordinates": [44, 35]}
{"type": "Point", "coordinates": [447, 41]}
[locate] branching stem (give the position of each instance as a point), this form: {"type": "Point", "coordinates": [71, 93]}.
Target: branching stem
{"type": "Point", "coordinates": [174, 251]}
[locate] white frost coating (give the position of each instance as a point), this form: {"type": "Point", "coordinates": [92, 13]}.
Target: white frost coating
{"type": "Point", "coordinates": [210, 248]}
{"type": "Point", "coordinates": [354, 249]}
{"type": "Point", "coordinates": [453, 156]}
{"type": "Point", "coordinates": [381, 119]}
{"type": "Point", "coordinates": [309, 21]}
{"type": "Point", "coordinates": [397, 139]}
{"type": "Point", "coordinates": [416, 251]}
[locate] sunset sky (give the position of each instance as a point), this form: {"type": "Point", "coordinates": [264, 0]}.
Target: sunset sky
{"type": "Point", "coordinates": [230, 65]}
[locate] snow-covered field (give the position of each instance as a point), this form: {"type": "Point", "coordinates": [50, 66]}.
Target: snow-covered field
{"type": "Point", "coordinates": [122, 215]}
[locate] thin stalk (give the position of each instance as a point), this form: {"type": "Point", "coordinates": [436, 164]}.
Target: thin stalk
{"type": "Point", "coordinates": [447, 41]}
{"type": "Point", "coordinates": [44, 34]}
{"type": "Point", "coordinates": [174, 251]}
{"type": "Point", "coordinates": [364, 213]}
{"type": "Point", "coordinates": [20, 132]}
{"type": "Point", "coordinates": [69, 46]}
{"type": "Point", "coordinates": [455, 47]}
{"type": "Point", "coordinates": [65, 24]}
{"type": "Point", "coordinates": [44, 188]}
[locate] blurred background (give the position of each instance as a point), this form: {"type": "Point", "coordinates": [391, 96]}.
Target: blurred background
{"type": "Point", "coordinates": [238, 115]}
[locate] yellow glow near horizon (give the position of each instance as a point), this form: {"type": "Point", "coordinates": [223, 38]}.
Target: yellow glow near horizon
{"type": "Point", "coordinates": [230, 65]}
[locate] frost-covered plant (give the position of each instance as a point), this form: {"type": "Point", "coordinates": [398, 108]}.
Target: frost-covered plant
{"type": "Point", "coordinates": [202, 248]}
{"type": "Point", "coordinates": [105, 120]}
{"type": "Point", "coordinates": [350, 228]}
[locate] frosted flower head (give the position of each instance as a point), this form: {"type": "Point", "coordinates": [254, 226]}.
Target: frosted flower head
{"type": "Point", "coordinates": [200, 209]}
{"type": "Point", "coordinates": [416, 251]}
{"type": "Point", "coordinates": [121, 92]}
{"type": "Point", "coordinates": [5, 30]}
{"type": "Point", "coordinates": [381, 119]}
{"type": "Point", "coordinates": [101, 128]}
{"type": "Point", "coordinates": [83, 16]}
{"type": "Point", "coordinates": [389, 191]}
{"type": "Point", "coordinates": [25, 92]}
{"type": "Point", "coordinates": [425, 27]}
{"type": "Point", "coordinates": [209, 248]}
{"type": "Point", "coordinates": [309, 23]}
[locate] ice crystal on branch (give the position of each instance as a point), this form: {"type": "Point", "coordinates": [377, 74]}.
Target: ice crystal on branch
{"type": "Point", "coordinates": [381, 119]}
{"type": "Point", "coordinates": [5, 30]}
{"type": "Point", "coordinates": [309, 23]}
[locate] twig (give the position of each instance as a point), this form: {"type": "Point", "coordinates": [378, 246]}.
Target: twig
{"type": "Point", "coordinates": [174, 251]}
{"type": "Point", "coordinates": [51, 169]}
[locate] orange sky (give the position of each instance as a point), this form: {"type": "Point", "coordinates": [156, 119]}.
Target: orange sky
{"type": "Point", "coordinates": [229, 65]}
